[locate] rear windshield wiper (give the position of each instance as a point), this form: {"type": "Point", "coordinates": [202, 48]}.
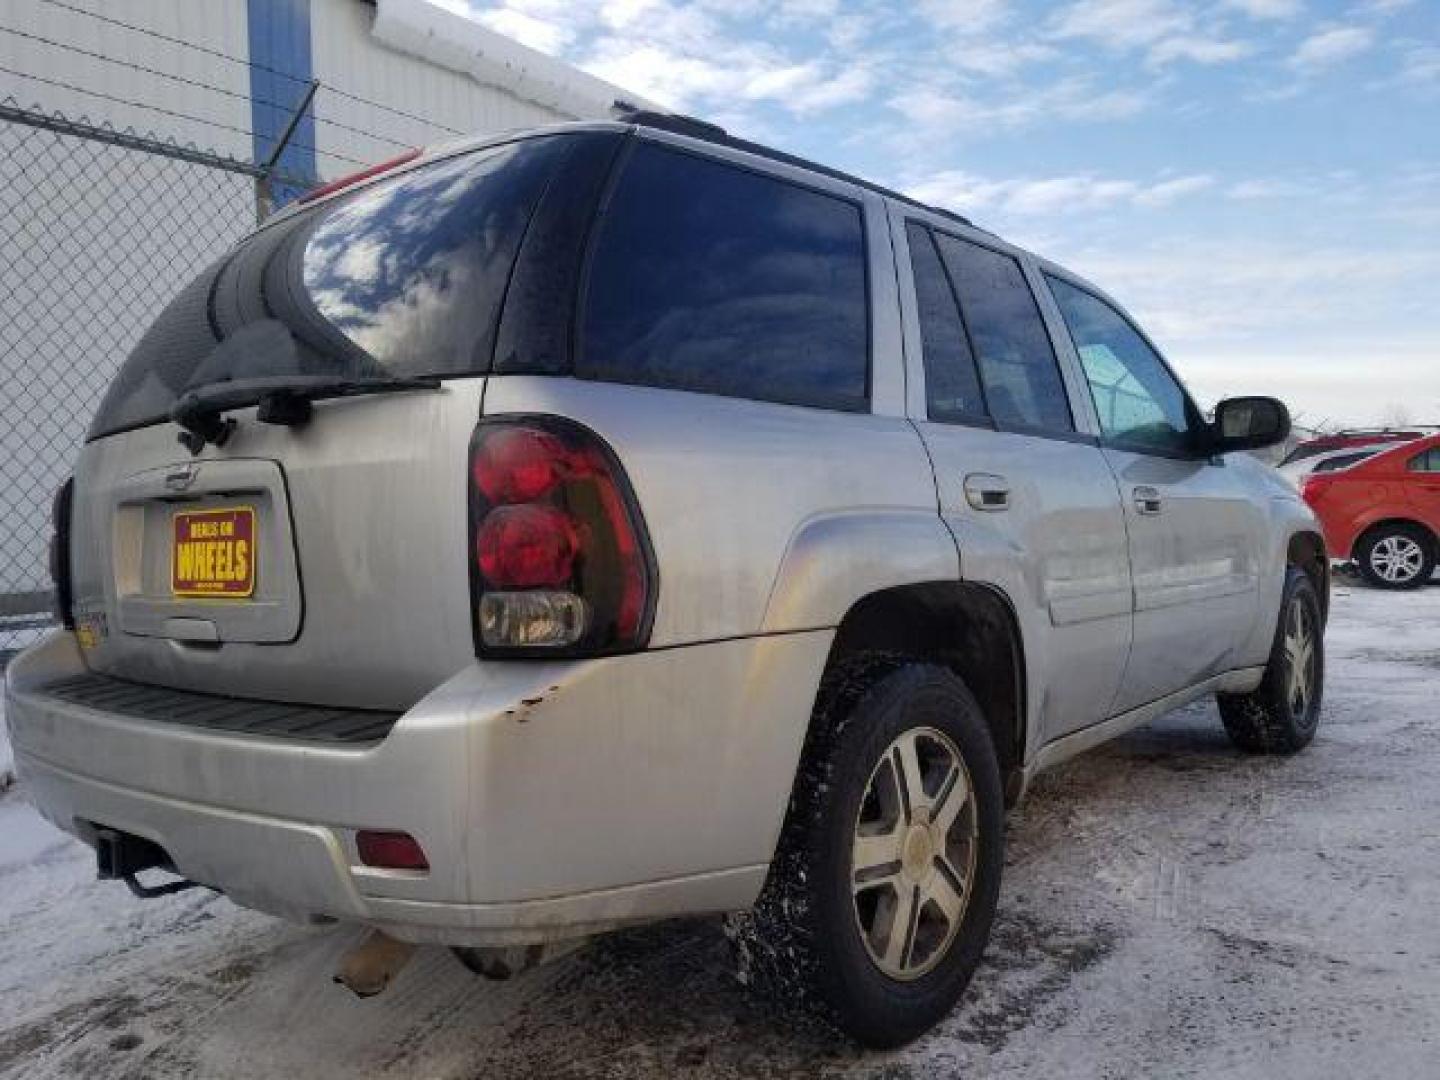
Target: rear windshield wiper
{"type": "Point", "coordinates": [281, 399]}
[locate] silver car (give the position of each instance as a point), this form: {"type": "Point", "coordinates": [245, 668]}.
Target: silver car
{"type": "Point", "coordinates": [619, 521]}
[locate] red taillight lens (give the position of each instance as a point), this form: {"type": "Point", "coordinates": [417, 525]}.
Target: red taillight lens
{"type": "Point", "coordinates": [518, 464]}
{"type": "Point", "coordinates": [561, 561]}
{"type": "Point", "coordinates": [390, 850]}
{"type": "Point", "coordinates": [527, 547]}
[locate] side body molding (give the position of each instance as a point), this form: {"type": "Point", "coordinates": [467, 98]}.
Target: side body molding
{"type": "Point", "coordinates": [833, 560]}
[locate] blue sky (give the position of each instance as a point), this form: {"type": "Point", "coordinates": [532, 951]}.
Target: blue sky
{"type": "Point", "coordinates": [1257, 180]}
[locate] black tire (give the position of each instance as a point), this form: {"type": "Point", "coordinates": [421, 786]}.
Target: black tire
{"type": "Point", "coordinates": [1376, 556]}
{"type": "Point", "coordinates": [1273, 719]}
{"type": "Point", "coordinates": [804, 941]}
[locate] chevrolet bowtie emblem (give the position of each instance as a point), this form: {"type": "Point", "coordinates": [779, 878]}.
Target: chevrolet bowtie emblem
{"type": "Point", "coordinates": [182, 477]}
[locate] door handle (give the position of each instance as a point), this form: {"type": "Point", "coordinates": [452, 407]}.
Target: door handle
{"type": "Point", "coordinates": [1147, 501]}
{"type": "Point", "coordinates": [986, 491]}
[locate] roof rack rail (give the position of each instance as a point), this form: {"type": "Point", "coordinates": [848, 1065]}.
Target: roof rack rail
{"type": "Point", "coordinates": [680, 124]}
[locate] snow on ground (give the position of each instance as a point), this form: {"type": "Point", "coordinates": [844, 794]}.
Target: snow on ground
{"type": "Point", "coordinates": [1171, 908]}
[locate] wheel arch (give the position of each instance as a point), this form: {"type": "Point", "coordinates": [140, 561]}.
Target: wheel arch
{"type": "Point", "coordinates": [1306, 552]}
{"type": "Point", "coordinates": [968, 627]}
{"type": "Point", "coordinates": [1392, 520]}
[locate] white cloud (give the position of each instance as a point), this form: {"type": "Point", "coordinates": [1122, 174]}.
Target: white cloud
{"type": "Point", "coordinates": [1165, 30]}
{"type": "Point", "coordinates": [1199, 50]}
{"type": "Point", "coordinates": [1267, 9]}
{"type": "Point", "coordinates": [536, 32]}
{"type": "Point", "coordinates": [940, 113]}
{"type": "Point", "coordinates": [1121, 24]}
{"type": "Point", "coordinates": [1421, 66]}
{"type": "Point", "coordinates": [1383, 7]}
{"type": "Point", "coordinates": [1264, 188]}
{"type": "Point", "coordinates": [1038, 197]}
{"type": "Point", "coordinates": [973, 17]}
{"type": "Point", "coordinates": [1168, 191]}
{"type": "Point", "coordinates": [1331, 46]}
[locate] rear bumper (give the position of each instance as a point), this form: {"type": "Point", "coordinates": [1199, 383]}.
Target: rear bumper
{"type": "Point", "coordinates": [552, 799]}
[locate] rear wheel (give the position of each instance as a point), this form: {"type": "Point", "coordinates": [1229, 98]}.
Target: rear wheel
{"type": "Point", "coordinates": [1398, 556]}
{"type": "Point", "coordinates": [882, 892]}
{"type": "Point", "coordinates": [1281, 715]}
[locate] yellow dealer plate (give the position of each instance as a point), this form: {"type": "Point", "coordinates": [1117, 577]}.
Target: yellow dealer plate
{"type": "Point", "coordinates": [214, 553]}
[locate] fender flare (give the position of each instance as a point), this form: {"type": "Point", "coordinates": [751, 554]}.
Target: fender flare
{"type": "Point", "coordinates": [834, 560]}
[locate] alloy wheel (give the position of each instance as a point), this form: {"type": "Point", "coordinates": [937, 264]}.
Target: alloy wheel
{"type": "Point", "coordinates": [914, 853]}
{"type": "Point", "coordinates": [1300, 658]}
{"type": "Point", "coordinates": [1397, 559]}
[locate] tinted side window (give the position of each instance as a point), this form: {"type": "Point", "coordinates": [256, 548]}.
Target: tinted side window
{"type": "Point", "coordinates": [1343, 461]}
{"type": "Point", "coordinates": [1018, 369]}
{"type": "Point", "coordinates": [1429, 461]}
{"type": "Point", "coordinates": [1138, 400]}
{"type": "Point", "coordinates": [952, 385]}
{"type": "Point", "coordinates": [707, 277]}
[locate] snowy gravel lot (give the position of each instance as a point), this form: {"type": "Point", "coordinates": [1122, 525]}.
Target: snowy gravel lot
{"type": "Point", "coordinates": [1171, 908]}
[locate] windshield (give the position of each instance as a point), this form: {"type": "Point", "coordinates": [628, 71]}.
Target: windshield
{"type": "Point", "coordinates": [402, 278]}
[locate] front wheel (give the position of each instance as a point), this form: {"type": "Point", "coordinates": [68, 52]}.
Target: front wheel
{"type": "Point", "coordinates": [1281, 715]}
{"type": "Point", "coordinates": [882, 892]}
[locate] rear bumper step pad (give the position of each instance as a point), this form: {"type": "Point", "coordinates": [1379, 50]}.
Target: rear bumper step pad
{"type": "Point", "coordinates": [139, 701]}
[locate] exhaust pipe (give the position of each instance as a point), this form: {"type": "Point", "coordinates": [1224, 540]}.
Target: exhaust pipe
{"type": "Point", "coordinates": [372, 965]}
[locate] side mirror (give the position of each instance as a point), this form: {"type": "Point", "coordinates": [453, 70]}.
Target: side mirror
{"type": "Point", "coordinates": [1248, 423]}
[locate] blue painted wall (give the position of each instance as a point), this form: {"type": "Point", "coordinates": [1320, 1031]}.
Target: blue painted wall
{"type": "Point", "coordinates": [280, 43]}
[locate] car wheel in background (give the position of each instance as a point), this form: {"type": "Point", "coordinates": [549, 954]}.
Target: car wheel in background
{"type": "Point", "coordinates": [1280, 716]}
{"type": "Point", "coordinates": [1398, 556]}
{"type": "Point", "coordinates": [885, 882]}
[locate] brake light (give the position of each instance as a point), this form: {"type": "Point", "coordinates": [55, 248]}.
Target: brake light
{"type": "Point", "coordinates": [387, 850]}
{"type": "Point", "coordinates": [355, 177]}
{"type": "Point", "coordinates": [60, 516]}
{"type": "Point", "coordinates": [560, 562]}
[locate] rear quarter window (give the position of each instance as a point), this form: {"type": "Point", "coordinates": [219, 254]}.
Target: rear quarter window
{"type": "Point", "coordinates": [711, 278]}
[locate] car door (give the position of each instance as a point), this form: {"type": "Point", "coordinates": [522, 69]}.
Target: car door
{"type": "Point", "coordinates": [1029, 498]}
{"type": "Point", "coordinates": [1196, 529]}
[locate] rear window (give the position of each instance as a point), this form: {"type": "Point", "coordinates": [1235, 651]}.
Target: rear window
{"type": "Point", "coordinates": [712, 278]}
{"type": "Point", "coordinates": [1018, 369]}
{"type": "Point", "coordinates": [400, 278]}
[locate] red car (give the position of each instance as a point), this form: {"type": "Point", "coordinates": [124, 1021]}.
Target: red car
{"type": "Point", "coordinates": [1383, 512]}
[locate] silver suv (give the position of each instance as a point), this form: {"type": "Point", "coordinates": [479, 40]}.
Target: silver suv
{"type": "Point", "coordinates": [620, 521]}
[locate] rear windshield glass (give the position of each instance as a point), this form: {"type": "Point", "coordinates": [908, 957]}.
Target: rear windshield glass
{"type": "Point", "coordinates": [401, 278]}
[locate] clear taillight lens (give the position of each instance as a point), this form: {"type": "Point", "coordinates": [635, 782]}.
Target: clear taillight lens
{"type": "Point", "coordinates": [560, 563]}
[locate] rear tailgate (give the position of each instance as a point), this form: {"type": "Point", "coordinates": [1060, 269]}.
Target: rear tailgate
{"type": "Point", "coordinates": [357, 575]}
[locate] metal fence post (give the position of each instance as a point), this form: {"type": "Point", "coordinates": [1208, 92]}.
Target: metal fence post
{"type": "Point", "coordinates": [264, 197]}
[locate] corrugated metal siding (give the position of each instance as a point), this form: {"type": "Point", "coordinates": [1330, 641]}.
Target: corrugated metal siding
{"type": "Point", "coordinates": [218, 25]}
{"type": "Point", "coordinates": [347, 57]}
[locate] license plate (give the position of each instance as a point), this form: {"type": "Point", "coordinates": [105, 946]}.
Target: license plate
{"type": "Point", "coordinates": [214, 553]}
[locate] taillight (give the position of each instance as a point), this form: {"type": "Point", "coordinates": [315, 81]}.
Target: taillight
{"type": "Point", "coordinates": [60, 515]}
{"type": "Point", "coordinates": [560, 563]}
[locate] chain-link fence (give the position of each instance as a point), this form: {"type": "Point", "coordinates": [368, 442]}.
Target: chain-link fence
{"type": "Point", "coordinates": [98, 230]}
